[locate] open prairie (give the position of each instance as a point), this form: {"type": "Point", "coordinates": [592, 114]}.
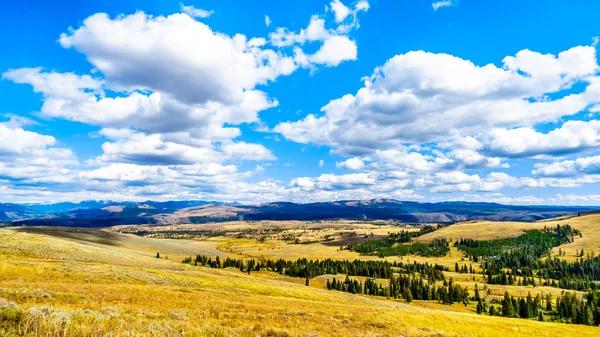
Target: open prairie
{"type": "Point", "coordinates": [71, 285]}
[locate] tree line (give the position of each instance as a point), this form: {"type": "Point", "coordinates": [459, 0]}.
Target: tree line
{"type": "Point", "coordinates": [303, 268]}
{"type": "Point", "coordinates": [407, 287]}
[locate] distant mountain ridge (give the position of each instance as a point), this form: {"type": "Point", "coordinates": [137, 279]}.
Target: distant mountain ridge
{"type": "Point", "coordinates": [407, 211]}
{"type": "Point", "coordinates": [15, 212]}
{"type": "Point", "coordinates": [104, 213]}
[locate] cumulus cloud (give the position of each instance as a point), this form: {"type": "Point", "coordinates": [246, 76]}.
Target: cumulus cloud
{"type": "Point", "coordinates": [138, 52]}
{"type": "Point", "coordinates": [154, 149]}
{"type": "Point", "coordinates": [569, 168]}
{"type": "Point", "coordinates": [336, 46]}
{"type": "Point", "coordinates": [267, 21]}
{"type": "Point", "coordinates": [53, 84]}
{"type": "Point", "coordinates": [196, 12]}
{"type": "Point", "coordinates": [16, 140]}
{"type": "Point", "coordinates": [571, 137]}
{"type": "Point", "coordinates": [330, 182]}
{"type": "Point", "coordinates": [421, 97]}
{"type": "Point", "coordinates": [340, 10]}
{"type": "Point", "coordinates": [351, 164]}
{"type": "Point", "coordinates": [32, 158]}
{"type": "Point", "coordinates": [335, 50]}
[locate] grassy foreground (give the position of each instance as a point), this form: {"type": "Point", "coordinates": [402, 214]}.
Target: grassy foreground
{"type": "Point", "coordinates": [53, 286]}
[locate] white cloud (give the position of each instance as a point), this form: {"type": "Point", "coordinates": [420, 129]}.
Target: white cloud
{"type": "Point", "coordinates": [340, 10]}
{"type": "Point", "coordinates": [53, 84]}
{"type": "Point", "coordinates": [336, 46]}
{"type": "Point", "coordinates": [124, 172]}
{"type": "Point", "coordinates": [571, 137]}
{"type": "Point", "coordinates": [569, 168]}
{"type": "Point", "coordinates": [27, 156]}
{"type": "Point", "coordinates": [16, 140]}
{"type": "Point", "coordinates": [503, 199]}
{"type": "Point", "coordinates": [267, 21]}
{"type": "Point", "coordinates": [342, 182]}
{"type": "Point", "coordinates": [196, 12]}
{"type": "Point", "coordinates": [246, 151]}
{"type": "Point", "coordinates": [574, 199]}
{"type": "Point", "coordinates": [138, 52]}
{"type": "Point", "coordinates": [444, 3]}
{"type": "Point", "coordinates": [350, 20]}
{"type": "Point", "coordinates": [116, 133]}
{"type": "Point", "coordinates": [315, 31]}
{"type": "Point", "coordinates": [421, 97]}
{"type": "Point", "coordinates": [335, 50]}
{"type": "Point", "coordinates": [154, 149]}
{"type": "Point", "coordinates": [321, 163]}
{"type": "Point", "coordinates": [351, 164]}
{"type": "Point", "coordinates": [150, 174]}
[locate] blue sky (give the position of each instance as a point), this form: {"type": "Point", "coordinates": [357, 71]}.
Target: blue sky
{"type": "Point", "coordinates": [300, 101]}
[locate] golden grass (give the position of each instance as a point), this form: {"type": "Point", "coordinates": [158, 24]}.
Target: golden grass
{"type": "Point", "coordinates": [67, 287]}
{"type": "Point", "coordinates": [589, 225]}
{"type": "Point", "coordinates": [481, 230]}
{"type": "Point", "coordinates": [174, 249]}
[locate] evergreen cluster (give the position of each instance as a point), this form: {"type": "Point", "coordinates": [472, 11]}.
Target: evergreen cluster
{"type": "Point", "coordinates": [525, 260]}
{"type": "Point", "coordinates": [432, 272]}
{"type": "Point", "coordinates": [463, 269]}
{"type": "Point", "coordinates": [408, 287]}
{"type": "Point", "coordinates": [569, 308]}
{"type": "Point", "coordinates": [302, 267]}
{"type": "Point", "coordinates": [579, 311]}
{"type": "Point", "coordinates": [394, 245]}
{"type": "Point", "coordinates": [582, 274]}
{"type": "Point", "coordinates": [534, 242]}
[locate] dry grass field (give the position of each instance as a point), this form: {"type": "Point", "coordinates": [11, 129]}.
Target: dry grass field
{"type": "Point", "coordinates": [88, 282]}
{"type": "Point", "coordinates": [176, 249]}
{"type": "Point", "coordinates": [63, 286]}
{"type": "Point", "coordinates": [482, 230]}
{"type": "Point", "coordinates": [243, 239]}
{"type": "Point", "coordinates": [589, 225]}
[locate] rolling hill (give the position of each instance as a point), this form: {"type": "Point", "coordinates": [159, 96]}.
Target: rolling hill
{"type": "Point", "coordinates": [74, 285]}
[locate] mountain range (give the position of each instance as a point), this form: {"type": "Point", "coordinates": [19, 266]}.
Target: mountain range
{"type": "Point", "coordinates": [106, 213]}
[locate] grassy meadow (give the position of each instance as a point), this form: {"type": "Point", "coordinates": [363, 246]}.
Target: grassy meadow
{"type": "Point", "coordinates": [589, 225]}
{"type": "Point", "coordinates": [76, 282]}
